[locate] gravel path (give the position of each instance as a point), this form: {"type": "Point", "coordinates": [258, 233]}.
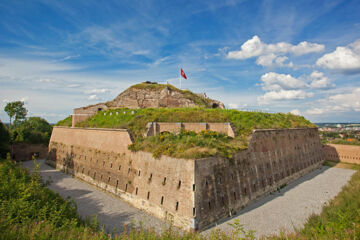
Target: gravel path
{"type": "Point", "coordinates": [284, 210]}
{"type": "Point", "coordinates": [292, 206]}
{"type": "Point", "coordinates": [110, 210]}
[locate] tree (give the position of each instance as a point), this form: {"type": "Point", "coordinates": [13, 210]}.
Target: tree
{"type": "Point", "coordinates": [34, 130]}
{"type": "Point", "coordinates": [4, 140]}
{"type": "Point", "coordinates": [16, 109]}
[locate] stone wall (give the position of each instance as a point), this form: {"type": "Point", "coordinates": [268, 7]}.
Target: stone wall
{"type": "Point", "coordinates": [154, 128]}
{"type": "Point", "coordinates": [162, 187]}
{"type": "Point", "coordinates": [194, 194]}
{"type": "Point", "coordinates": [25, 151]}
{"type": "Point", "coordinates": [274, 158]}
{"type": "Point", "coordinates": [342, 153]}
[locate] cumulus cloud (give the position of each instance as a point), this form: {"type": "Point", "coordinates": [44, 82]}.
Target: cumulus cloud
{"type": "Point", "coordinates": [272, 60]}
{"type": "Point", "coordinates": [343, 59]}
{"type": "Point", "coordinates": [319, 80]}
{"type": "Point", "coordinates": [284, 95]}
{"type": "Point", "coordinates": [345, 102]}
{"type": "Point", "coordinates": [274, 81]}
{"type": "Point", "coordinates": [295, 112]}
{"type": "Point", "coordinates": [268, 54]}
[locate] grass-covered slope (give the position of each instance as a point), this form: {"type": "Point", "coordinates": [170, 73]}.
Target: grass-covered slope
{"type": "Point", "coordinates": [187, 144]}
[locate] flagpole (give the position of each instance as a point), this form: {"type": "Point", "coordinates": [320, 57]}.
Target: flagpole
{"type": "Point", "coordinates": [180, 78]}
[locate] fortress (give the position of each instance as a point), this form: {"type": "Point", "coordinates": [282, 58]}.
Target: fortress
{"type": "Point", "coordinates": [192, 193]}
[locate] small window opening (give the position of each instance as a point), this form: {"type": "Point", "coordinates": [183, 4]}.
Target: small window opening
{"type": "Point", "coordinates": [234, 195]}
{"type": "Point", "coordinates": [83, 170]}
{"type": "Point", "coordinates": [177, 206]}
{"type": "Point", "coordinates": [194, 211]}
{"type": "Point", "coordinates": [109, 179]}
{"type": "Point", "coordinates": [162, 200]}
{"type": "Point", "coordinates": [117, 183]}
{"type": "Point", "coordinates": [101, 176]}
{"type": "Point", "coordinates": [139, 173]}
{"type": "Point", "coordinates": [119, 167]}
{"type": "Point", "coordinates": [148, 195]}
{"type": "Point", "coordinates": [128, 170]}
{"type": "Point", "coordinates": [103, 163]}
{"type": "Point", "coordinates": [209, 205]}
{"type": "Point", "coordinates": [164, 182]}
{"type": "Point", "coordinates": [194, 187]}
{"type": "Point", "coordinates": [110, 165]}
{"type": "Point", "coordinates": [126, 187]}
{"type": "Point", "coordinates": [206, 183]}
{"type": "Point", "coordinates": [179, 185]}
{"type": "Point", "coordinates": [150, 176]}
{"type": "Point", "coordinates": [136, 191]}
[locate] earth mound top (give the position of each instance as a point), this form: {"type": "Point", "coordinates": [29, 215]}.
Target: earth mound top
{"type": "Point", "coordinates": [155, 95]}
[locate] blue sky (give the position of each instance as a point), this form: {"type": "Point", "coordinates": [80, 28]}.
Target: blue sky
{"type": "Point", "coordinates": [277, 56]}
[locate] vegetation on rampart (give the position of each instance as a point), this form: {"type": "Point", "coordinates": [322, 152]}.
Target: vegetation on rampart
{"type": "Point", "coordinates": [185, 144]}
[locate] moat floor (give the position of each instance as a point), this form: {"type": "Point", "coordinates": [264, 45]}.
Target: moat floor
{"type": "Point", "coordinates": [284, 210]}
{"type": "Point", "coordinates": [111, 211]}
{"type": "Point", "coordinates": [290, 207]}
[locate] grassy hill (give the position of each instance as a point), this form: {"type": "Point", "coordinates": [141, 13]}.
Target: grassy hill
{"type": "Point", "coordinates": [189, 144]}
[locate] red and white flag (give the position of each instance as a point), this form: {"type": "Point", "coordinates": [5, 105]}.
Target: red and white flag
{"type": "Point", "coordinates": [183, 74]}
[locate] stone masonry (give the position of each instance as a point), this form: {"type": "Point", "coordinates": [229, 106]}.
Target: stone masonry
{"type": "Point", "coordinates": [193, 194]}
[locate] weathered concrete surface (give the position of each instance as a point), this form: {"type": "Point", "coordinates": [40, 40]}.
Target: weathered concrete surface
{"type": "Point", "coordinates": [110, 210]}
{"type": "Point", "coordinates": [292, 205]}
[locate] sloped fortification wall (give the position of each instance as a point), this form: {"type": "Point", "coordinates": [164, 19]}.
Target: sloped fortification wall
{"type": "Point", "coordinates": [162, 187]}
{"type": "Point", "coordinates": [192, 193]}
{"type": "Point", "coordinates": [342, 153]}
{"type": "Point", "coordinates": [274, 157]}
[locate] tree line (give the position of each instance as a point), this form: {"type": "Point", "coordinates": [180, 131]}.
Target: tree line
{"type": "Point", "coordinates": [32, 130]}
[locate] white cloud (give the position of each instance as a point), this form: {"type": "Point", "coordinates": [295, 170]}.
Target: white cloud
{"type": "Point", "coordinates": [272, 60]}
{"type": "Point", "coordinates": [343, 59]}
{"type": "Point", "coordinates": [233, 106]}
{"type": "Point", "coordinates": [73, 85]}
{"type": "Point", "coordinates": [93, 97]}
{"type": "Point", "coordinates": [345, 102]}
{"type": "Point", "coordinates": [97, 91]}
{"type": "Point", "coordinates": [274, 81]}
{"type": "Point", "coordinates": [319, 80]}
{"type": "Point", "coordinates": [254, 47]}
{"type": "Point", "coordinates": [295, 112]}
{"type": "Point", "coordinates": [284, 95]}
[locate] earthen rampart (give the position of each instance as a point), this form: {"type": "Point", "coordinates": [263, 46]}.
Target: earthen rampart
{"type": "Point", "coordinates": [342, 153]}
{"type": "Point", "coordinates": [193, 194]}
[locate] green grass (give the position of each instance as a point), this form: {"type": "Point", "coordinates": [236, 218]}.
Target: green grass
{"type": "Point", "coordinates": [344, 142]}
{"type": "Point", "coordinates": [243, 122]}
{"type": "Point", "coordinates": [67, 122]}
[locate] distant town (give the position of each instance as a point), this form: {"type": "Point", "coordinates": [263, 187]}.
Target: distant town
{"type": "Point", "coordinates": [340, 133]}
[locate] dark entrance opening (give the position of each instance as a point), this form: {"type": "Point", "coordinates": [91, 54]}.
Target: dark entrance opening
{"type": "Point", "coordinates": [215, 105]}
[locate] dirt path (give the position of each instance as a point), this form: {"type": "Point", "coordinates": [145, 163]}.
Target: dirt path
{"type": "Point", "coordinates": [110, 210]}
{"type": "Point", "coordinates": [292, 206]}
